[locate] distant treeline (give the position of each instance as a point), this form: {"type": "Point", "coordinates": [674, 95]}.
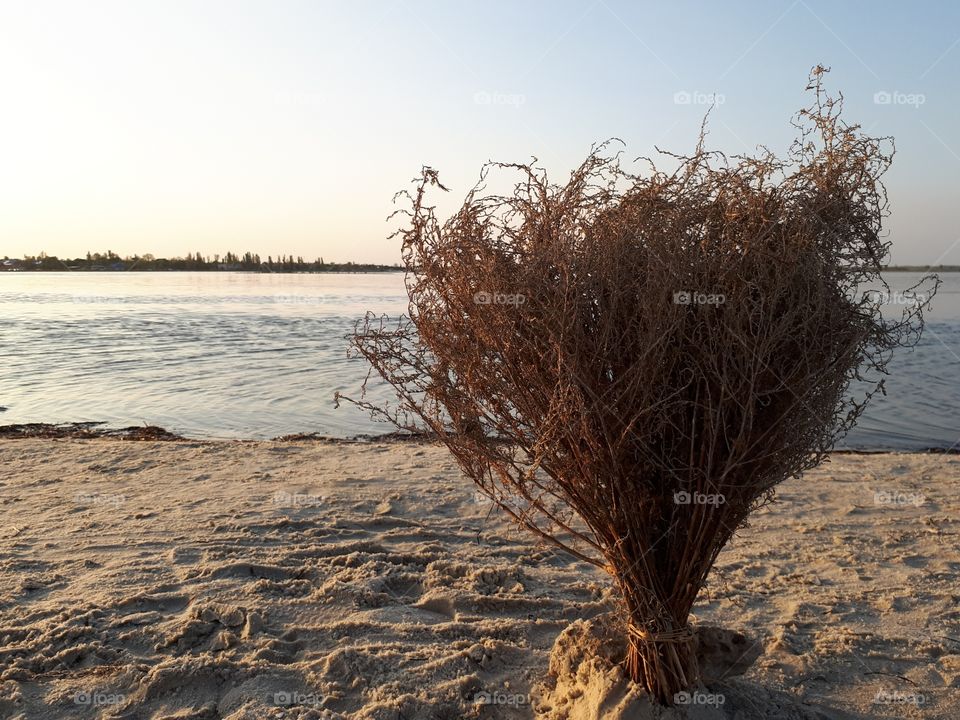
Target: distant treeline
{"type": "Point", "coordinates": [250, 262]}
{"type": "Point", "coordinates": [922, 268]}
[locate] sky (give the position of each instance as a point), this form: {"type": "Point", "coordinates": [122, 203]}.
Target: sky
{"type": "Point", "coordinates": [286, 127]}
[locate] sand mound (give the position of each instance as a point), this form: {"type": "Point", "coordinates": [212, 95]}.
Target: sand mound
{"type": "Point", "coordinates": [586, 682]}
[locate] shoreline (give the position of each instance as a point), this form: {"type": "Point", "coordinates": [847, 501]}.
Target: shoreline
{"type": "Point", "coordinates": [94, 430]}
{"type": "Point", "coordinates": [100, 430]}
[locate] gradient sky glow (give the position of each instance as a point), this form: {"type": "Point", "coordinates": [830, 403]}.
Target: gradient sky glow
{"type": "Point", "coordinates": [286, 127]}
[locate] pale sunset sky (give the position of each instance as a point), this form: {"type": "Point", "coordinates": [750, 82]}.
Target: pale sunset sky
{"type": "Point", "coordinates": [287, 126]}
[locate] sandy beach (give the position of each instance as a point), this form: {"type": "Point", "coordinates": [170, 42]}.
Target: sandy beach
{"type": "Point", "coordinates": [368, 581]}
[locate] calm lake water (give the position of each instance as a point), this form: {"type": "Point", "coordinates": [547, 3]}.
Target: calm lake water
{"type": "Point", "coordinates": [237, 355]}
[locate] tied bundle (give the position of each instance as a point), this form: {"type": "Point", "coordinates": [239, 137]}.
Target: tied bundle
{"type": "Point", "coordinates": [628, 364]}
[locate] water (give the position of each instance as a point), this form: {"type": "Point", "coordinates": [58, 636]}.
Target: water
{"type": "Point", "coordinates": [231, 355]}
{"type": "Point", "coordinates": [237, 355]}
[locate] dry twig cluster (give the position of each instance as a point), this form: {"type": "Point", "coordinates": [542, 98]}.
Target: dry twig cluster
{"type": "Point", "coordinates": [628, 364]}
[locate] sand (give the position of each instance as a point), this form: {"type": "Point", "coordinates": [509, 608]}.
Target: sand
{"type": "Point", "coordinates": [368, 581]}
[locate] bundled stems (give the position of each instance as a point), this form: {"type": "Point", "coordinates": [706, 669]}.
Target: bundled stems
{"type": "Point", "coordinates": [628, 364]}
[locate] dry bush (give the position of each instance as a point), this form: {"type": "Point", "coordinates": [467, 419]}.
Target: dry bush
{"type": "Point", "coordinates": [631, 424]}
